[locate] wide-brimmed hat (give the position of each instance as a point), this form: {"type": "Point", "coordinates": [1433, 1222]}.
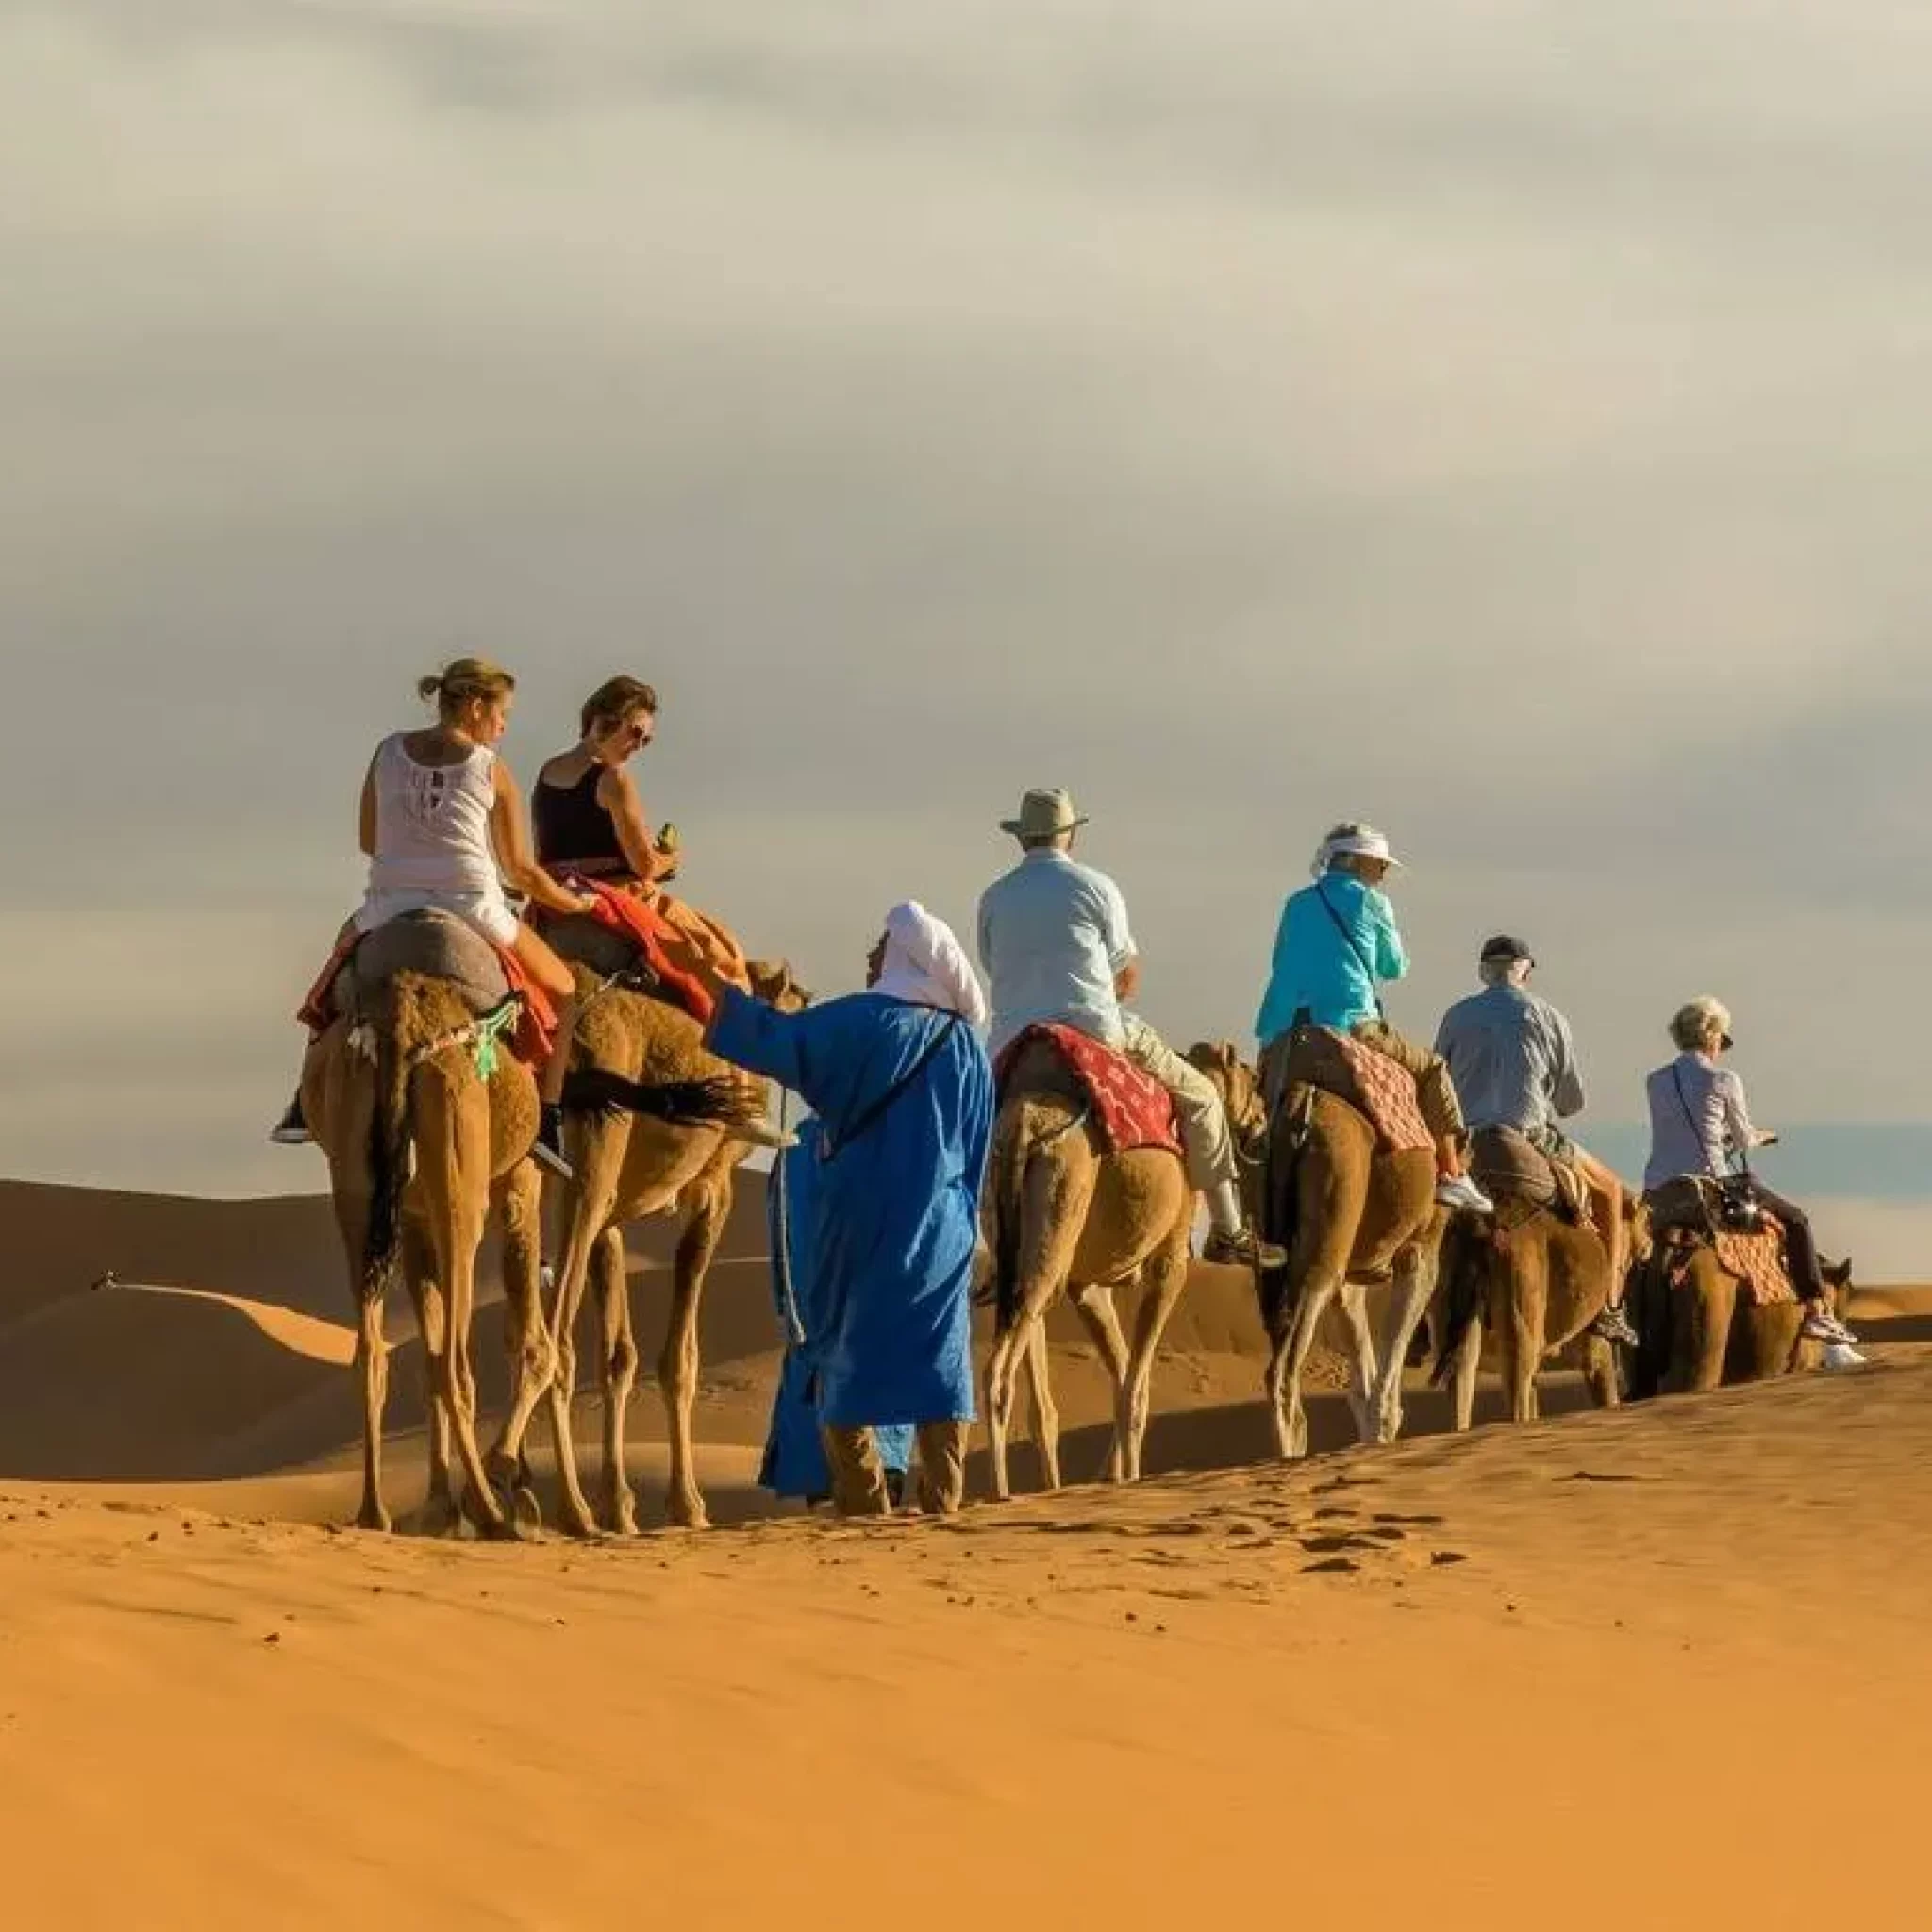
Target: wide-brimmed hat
{"type": "Point", "coordinates": [1044, 814]}
{"type": "Point", "coordinates": [1504, 947]}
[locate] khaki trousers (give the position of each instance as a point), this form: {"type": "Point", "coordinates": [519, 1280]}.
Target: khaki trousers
{"type": "Point", "coordinates": [858, 1477]}
{"type": "Point", "coordinates": [1206, 1143]}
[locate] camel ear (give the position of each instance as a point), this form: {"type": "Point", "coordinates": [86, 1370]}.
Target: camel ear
{"type": "Point", "coordinates": [1838, 1273]}
{"type": "Point", "coordinates": [1229, 1054]}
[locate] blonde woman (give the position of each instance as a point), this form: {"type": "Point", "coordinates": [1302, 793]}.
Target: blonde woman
{"type": "Point", "coordinates": [442, 821]}
{"type": "Point", "coordinates": [1700, 1128]}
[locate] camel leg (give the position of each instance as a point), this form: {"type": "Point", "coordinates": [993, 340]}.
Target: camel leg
{"type": "Point", "coordinates": [677, 1367]}
{"type": "Point", "coordinates": [1702, 1313]}
{"type": "Point", "coordinates": [1416, 1269]}
{"type": "Point", "coordinates": [451, 1115]}
{"type": "Point", "coordinates": [1168, 1273]}
{"type": "Point", "coordinates": [372, 1359]}
{"type": "Point", "coordinates": [590, 1206]}
{"type": "Point", "coordinates": [1600, 1372]}
{"type": "Point", "coordinates": [1093, 1304]}
{"type": "Point", "coordinates": [1469, 1360]}
{"type": "Point", "coordinates": [517, 1202]}
{"type": "Point", "coordinates": [1046, 1417]}
{"type": "Point", "coordinates": [617, 1353]}
{"type": "Point", "coordinates": [439, 1513]}
{"type": "Point", "coordinates": [1363, 1381]}
{"type": "Point", "coordinates": [1290, 1357]}
{"type": "Point", "coordinates": [1053, 1211]}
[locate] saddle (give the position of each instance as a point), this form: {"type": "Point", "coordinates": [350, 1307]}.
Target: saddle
{"type": "Point", "coordinates": [1684, 1217]}
{"type": "Point", "coordinates": [1509, 1166]}
{"type": "Point", "coordinates": [1379, 1090]}
{"type": "Point", "coordinates": [1131, 1109]}
{"type": "Point", "coordinates": [656, 944]}
{"type": "Point", "coordinates": [356, 982]}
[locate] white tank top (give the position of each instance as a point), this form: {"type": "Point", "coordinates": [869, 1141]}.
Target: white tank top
{"type": "Point", "coordinates": [432, 823]}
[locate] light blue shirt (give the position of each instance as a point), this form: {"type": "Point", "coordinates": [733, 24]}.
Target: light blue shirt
{"type": "Point", "coordinates": [1327, 958]}
{"type": "Point", "coordinates": [1512, 1060]}
{"type": "Point", "coordinates": [1698, 1121]}
{"type": "Point", "coordinates": [1053, 935]}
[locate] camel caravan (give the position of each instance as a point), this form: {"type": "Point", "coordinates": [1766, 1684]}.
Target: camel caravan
{"type": "Point", "coordinates": [603, 1052]}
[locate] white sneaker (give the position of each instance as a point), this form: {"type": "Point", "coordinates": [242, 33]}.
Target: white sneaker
{"type": "Point", "coordinates": [1819, 1326]}
{"type": "Point", "coordinates": [1462, 1191]}
{"type": "Point", "coordinates": [1842, 1355]}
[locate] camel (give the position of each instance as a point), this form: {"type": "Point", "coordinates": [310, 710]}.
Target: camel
{"type": "Point", "coordinates": [628, 1167]}
{"type": "Point", "coordinates": [1534, 1282]}
{"type": "Point", "coordinates": [395, 1082]}
{"type": "Point", "coordinates": [1060, 1212]}
{"type": "Point", "coordinates": [1352, 1214]}
{"type": "Point", "coordinates": [1702, 1329]}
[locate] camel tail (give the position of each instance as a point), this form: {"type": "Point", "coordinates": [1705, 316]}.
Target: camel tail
{"type": "Point", "coordinates": [721, 1102]}
{"type": "Point", "coordinates": [404, 1022]}
{"type": "Point", "coordinates": [1013, 1150]}
{"type": "Point", "coordinates": [1462, 1297]}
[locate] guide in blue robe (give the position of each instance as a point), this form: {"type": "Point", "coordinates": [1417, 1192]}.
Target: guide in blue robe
{"type": "Point", "coordinates": [795, 1463]}
{"type": "Point", "coordinates": [903, 1092]}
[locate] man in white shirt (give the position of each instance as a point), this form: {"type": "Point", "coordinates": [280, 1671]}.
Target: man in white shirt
{"type": "Point", "coordinates": [1057, 948]}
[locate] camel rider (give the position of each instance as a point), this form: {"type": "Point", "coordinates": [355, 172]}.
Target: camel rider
{"type": "Point", "coordinates": [1513, 1060]}
{"type": "Point", "coordinates": [590, 820]}
{"type": "Point", "coordinates": [1055, 942]}
{"type": "Point", "coordinates": [442, 821]}
{"type": "Point", "coordinates": [1701, 1128]}
{"type": "Point", "coordinates": [1336, 939]}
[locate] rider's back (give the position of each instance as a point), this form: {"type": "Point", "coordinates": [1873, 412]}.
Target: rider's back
{"type": "Point", "coordinates": [1511, 1057]}
{"type": "Point", "coordinates": [1053, 937]}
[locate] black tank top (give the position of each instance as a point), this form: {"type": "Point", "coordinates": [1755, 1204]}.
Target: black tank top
{"type": "Point", "coordinates": [572, 827]}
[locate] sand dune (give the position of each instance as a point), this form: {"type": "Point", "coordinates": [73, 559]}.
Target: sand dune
{"type": "Point", "coordinates": [1646, 1669]}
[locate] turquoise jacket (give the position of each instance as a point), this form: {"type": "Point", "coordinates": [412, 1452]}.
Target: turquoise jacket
{"type": "Point", "coordinates": [1318, 968]}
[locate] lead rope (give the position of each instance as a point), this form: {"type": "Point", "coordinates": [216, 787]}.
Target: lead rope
{"type": "Point", "coordinates": [788, 1301]}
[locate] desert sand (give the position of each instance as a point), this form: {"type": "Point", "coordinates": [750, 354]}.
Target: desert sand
{"type": "Point", "coordinates": [1658, 1668]}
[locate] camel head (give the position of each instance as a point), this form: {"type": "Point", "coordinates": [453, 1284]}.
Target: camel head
{"type": "Point", "coordinates": [1837, 1278]}
{"type": "Point", "coordinates": [1240, 1088]}
{"type": "Point", "coordinates": [773, 981]}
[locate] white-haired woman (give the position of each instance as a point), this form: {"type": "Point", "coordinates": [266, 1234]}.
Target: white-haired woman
{"type": "Point", "coordinates": [1336, 943]}
{"type": "Point", "coordinates": [1700, 1128]}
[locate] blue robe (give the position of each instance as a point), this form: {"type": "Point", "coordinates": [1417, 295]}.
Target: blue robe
{"type": "Point", "coordinates": [795, 1463]}
{"type": "Point", "coordinates": [895, 1217]}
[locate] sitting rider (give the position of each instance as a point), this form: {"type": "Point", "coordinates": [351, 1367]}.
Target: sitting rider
{"type": "Point", "coordinates": [442, 821]}
{"type": "Point", "coordinates": [1514, 1065]}
{"type": "Point", "coordinates": [1336, 939]}
{"type": "Point", "coordinates": [1055, 945]}
{"type": "Point", "coordinates": [591, 821]}
{"type": "Point", "coordinates": [1699, 1129]}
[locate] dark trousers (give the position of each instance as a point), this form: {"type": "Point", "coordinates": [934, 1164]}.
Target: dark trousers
{"type": "Point", "coordinates": [1801, 1246]}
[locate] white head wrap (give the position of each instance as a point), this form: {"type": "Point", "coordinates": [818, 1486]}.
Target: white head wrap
{"type": "Point", "coordinates": [1363, 841]}
{"type": "Point", "coordinates": [925, 964]}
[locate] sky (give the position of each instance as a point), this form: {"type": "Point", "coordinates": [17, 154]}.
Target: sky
{"type": "Point", "coordinates": [1508, 423]}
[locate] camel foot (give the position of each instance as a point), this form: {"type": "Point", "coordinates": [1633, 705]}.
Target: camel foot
{"type": "Point", "coordinates": [522, 1509]}
{"type": "Point", "coordinates": [374, 1516]}
{"type": "Point", "coordinates": [439, 1515]}
{"type": "Point", "coordinates": [686, 1511]}
{"type": "Point", "coordinates": [621, 1514]}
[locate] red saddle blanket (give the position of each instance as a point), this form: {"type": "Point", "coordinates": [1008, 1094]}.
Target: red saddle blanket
{"type": "Point", "coordinates": [1131, 1109]}
{"type": "Point", "coordinates": [536, 1029]}
{"type": "Point", "coordinates": [1387, 1096]}
{"type": "Point", "coordinates": [645, 925]}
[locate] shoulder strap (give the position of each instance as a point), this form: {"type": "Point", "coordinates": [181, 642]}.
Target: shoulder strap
{"type": "Point", "coordinates": [1352, 943]}
{"type": "Point", "coordinates": [869, 1117]}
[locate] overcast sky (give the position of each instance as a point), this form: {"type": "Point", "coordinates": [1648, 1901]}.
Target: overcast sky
{"type": "Point", "coordinates": [1509, 423]}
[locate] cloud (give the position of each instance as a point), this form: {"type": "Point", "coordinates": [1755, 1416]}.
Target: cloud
{"type": "Point", "coordinates": [1504, 422]}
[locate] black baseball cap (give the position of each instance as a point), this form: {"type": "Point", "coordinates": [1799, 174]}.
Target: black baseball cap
{"type": "Point", "coordinates": [1504, 947]}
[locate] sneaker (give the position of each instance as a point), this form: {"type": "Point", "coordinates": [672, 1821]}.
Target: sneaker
{"type": "Point", "coordinates": [291, 1130]}
{"type": "Point", "coordinates": [1821, 1326]}
{"type": "Point", "coordinates": [547, 1148]}
{"type": "Point", "coordinates": [1842, 1355]}
{"type": "Point", "coordinates": [1613, 1324]}
{"type": "Point", "coordinates": [1244, 1248]}
{"type": "Point", "coordinates": [1458, 1190]}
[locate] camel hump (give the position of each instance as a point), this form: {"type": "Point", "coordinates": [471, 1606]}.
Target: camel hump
{"type": "Point", "coordinates": [1038, 1070]}
{"type": "Point", "coordinates": [432, 945]}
